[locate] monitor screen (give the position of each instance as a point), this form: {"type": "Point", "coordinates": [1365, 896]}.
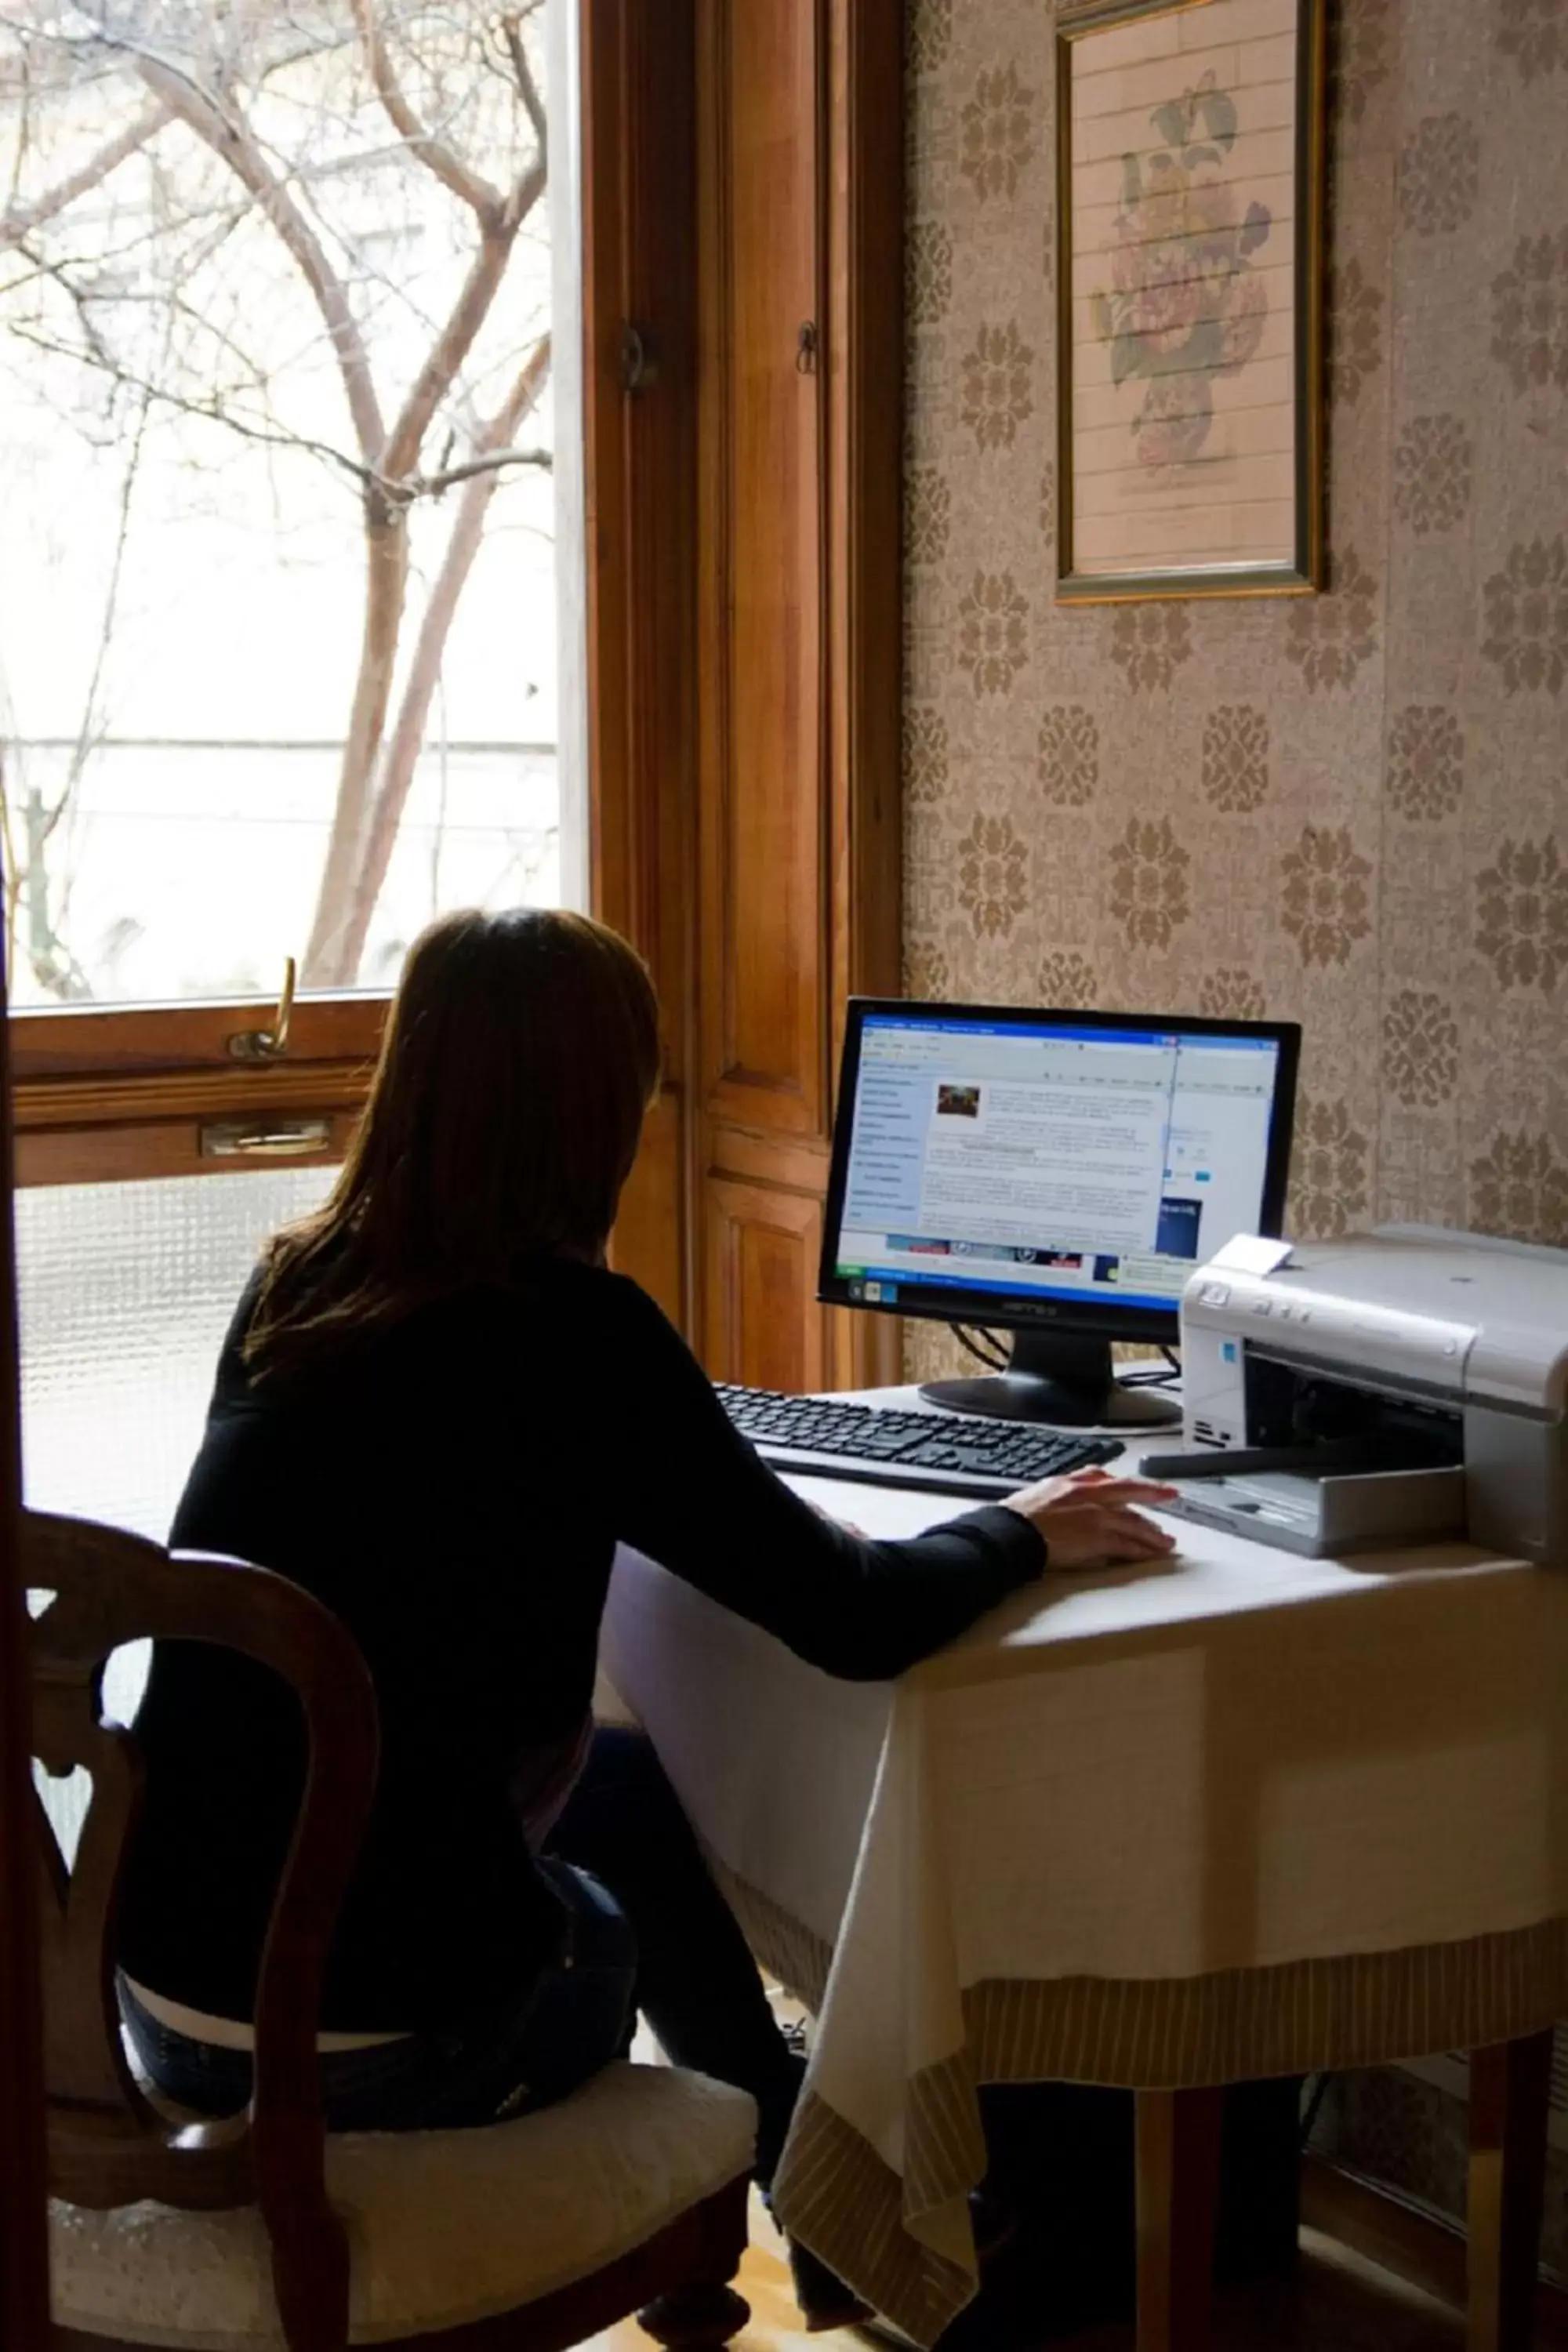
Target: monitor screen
{"type": "Point", "coordinates": [1011, 1167]}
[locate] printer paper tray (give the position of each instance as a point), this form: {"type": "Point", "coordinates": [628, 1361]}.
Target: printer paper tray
{"type": "Point", "coordinates": [1325, 1516]}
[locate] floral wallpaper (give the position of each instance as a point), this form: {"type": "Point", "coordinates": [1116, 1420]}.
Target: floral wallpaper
{"type": "Point", "coordinates": [1350, 809]}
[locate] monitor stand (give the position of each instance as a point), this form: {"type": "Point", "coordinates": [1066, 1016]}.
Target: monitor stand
{"type": "Point", "coordinates": [1056, 1378]}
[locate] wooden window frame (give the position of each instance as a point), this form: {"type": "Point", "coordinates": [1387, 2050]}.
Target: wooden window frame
{"type": "Point", "coordinates": [124, 1093]}
{"type": "Point", "coordinates": [114, 1093]}
{"type": "Point", "coordinates": [101, 1094]}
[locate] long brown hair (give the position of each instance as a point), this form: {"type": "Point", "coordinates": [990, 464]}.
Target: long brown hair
{"type": "Point", "coordinates": [520, 1054]}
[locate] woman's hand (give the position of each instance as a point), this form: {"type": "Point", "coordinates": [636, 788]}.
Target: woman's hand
{"type": "Point", "coordinates": [1089, 1521]}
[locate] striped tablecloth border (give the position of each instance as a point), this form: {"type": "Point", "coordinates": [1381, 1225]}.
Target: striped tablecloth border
{"type": "Point", "coordinates": [835, 2193]}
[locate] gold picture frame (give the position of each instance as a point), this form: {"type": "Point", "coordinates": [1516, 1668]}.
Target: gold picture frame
{"type": "Point", "coordinates": [1190, 243]}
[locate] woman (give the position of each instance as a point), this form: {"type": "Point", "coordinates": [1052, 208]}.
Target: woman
{"type": "Point", "coordinates": [438, 1411]}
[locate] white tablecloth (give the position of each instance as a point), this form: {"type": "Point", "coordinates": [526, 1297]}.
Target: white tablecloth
{"type": "Point", "coordinates": [1242, 1814]}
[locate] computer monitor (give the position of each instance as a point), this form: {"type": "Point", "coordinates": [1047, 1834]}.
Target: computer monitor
{"type": "Point", "coordinates": [1055, 1174]}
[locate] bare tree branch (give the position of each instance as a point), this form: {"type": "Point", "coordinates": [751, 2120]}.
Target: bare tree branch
{"type": "Point", "coordinates": [231, 140]}
{"type": "Point", "coordinates": [431, 486]}
{"type": "Point", "coordinates": [425, 666]}
{"type": "Point", "coordinates": [9, 861]}
{"type": "Point", "coordinates": [451, 348]}
{"type": "Point", "coordinates": [395, 491]}
{"type": "Point", "coordinates": [512, 30]}
{"type": "Point", "coordinates": [209, 411]}
{"type": "Point", "coordinates": [21, 100]}
{"type": "Point", "coordinates": [470, 187]}
{"type": "Point", "coordinates": [19, 221]}
{"type": "Point", "coordinates": [98, 353]}
{"type": "Point", "coordinates": [47, 949]}
{"type": "Point", "coordinates": [468, 314]}
{"type": "Point", "coordinates": [105, 256]}
{"type": "Point", "coordinates": [390, 456]}
{"type": "Point", "coordinates": [385, 592]}
{"type": "Point", "coordinates": [90, 726]}
{"type": "Point", "coordinates": [525, 193]}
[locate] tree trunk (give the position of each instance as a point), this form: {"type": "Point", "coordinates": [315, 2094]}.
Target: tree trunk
{"type": "Point", "coordinates": [425, 670]}
{"type": "Point", "coordinates": [328, 962]}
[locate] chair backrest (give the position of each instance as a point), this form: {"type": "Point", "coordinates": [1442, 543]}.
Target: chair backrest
{"type": "Point", "coordinates": [107, 2145]}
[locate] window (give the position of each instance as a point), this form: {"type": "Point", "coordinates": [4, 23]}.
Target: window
{"type": "Point", "coordinates": [278, 431]}
{"type": "Point", "coordinates": [308, 367]}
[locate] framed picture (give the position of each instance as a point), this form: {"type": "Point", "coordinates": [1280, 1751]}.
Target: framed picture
{"type": "Point", "coordinates": [1190, 233]}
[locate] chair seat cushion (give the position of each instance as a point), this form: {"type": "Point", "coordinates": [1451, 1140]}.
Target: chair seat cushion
{"type": "Point", "coordinates": [445, 2226]}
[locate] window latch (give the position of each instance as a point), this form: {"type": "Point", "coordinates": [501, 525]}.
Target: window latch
{"type": "Point", "coordinates": [640, 368]}
{"type": "Point", "coordinates": [268, 1044]}
{"type": "Point", "coordinates": [275, 1139]}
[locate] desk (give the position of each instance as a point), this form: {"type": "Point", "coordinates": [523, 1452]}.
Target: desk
{"type": "Point", "coordinates": [1245, 1815]}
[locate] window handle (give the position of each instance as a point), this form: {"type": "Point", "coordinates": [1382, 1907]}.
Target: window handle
{"type": "Point", "coordinates": [269, 1139]}
{"type": "Point", "coordinates": [268, 1044]}
{"type": "Point", "coordinates": [639, 367]}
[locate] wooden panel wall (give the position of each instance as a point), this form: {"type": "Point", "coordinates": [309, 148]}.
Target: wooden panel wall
{"type": "Point", "coordinates": [759, 532]}
{"type": "Point", "coordinates": [799, 222]}
{"type": "Point", "coordinates": [761, 1255]}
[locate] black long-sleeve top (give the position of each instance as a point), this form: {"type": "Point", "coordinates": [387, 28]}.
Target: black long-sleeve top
{"type": "Point", "coordinates": [454, 1488]}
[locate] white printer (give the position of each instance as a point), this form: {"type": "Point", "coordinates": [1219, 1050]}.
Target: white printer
{"type": "Point", "coordinates": [1392, 1388]}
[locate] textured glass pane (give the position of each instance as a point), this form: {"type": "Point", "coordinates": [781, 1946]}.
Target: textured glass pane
{"type": "Point", "coordinates": [126, 1291]}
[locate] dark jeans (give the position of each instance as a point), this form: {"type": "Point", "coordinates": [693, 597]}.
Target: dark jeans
{"type": "Point", "coordinates": [697, 1982]}
{"type": "Point", "coordinates": [502, 2060]}
{"type": "Point", "coordinates": [663, 1940]}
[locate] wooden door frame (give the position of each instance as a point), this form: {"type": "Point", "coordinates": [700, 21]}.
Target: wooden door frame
{"type": "Point", "coordinates": [822, 762]}
{"type": "Point", "coordinates": [648, 663]}
{"type": "Point", "coordinates": [639, 288]}
{"type": "Point", "coordinates": [863, 605]}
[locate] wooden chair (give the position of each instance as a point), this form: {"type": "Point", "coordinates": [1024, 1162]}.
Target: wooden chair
{"type": "Point", "coordinates": [262, 2231]}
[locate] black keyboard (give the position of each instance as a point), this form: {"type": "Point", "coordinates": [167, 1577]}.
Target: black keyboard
{"type": "Point", "coordinates": [941, 1452]}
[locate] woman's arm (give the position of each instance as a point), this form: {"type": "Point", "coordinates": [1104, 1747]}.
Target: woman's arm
{"type": "Point", "coordinates": [693, 1494]}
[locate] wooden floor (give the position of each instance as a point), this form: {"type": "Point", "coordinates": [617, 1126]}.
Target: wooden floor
{"type": "Point", "coordinates": [1338, 2304]}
